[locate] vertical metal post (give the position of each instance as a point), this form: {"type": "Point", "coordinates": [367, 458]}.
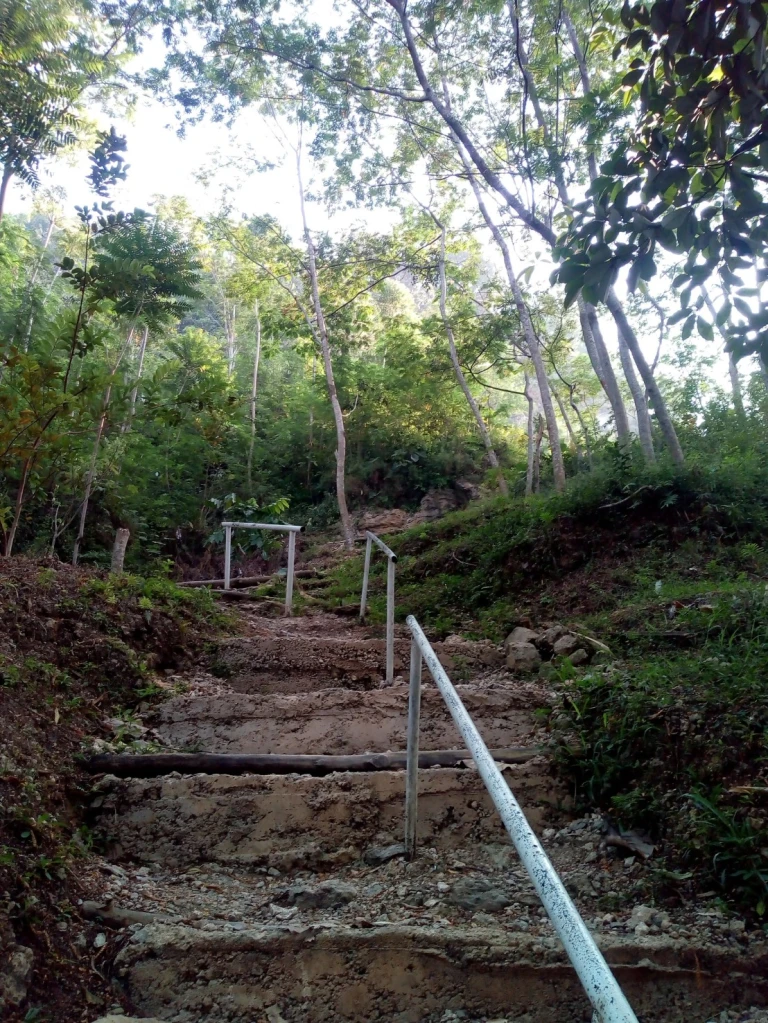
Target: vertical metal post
{"type": "Point", "coordinates": [227, 555]}
{"type": "Point", "coordinates": [390, 620]}
{"type": "Point", "coordinates": [289, 577]}
{"type": "Point", "coordinates": [412, 762]}
{"type": "Point", "coordinates": [366, 568]}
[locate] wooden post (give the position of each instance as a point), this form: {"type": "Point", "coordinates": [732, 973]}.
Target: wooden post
{"type": "Point", "coordinates": [122, 536]}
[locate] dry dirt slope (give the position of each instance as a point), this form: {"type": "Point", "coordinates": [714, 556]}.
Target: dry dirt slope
{"type": "Point", "coordinates": [286, 898]}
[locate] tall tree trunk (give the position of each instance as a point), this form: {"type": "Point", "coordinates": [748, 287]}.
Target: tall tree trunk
{"type": "Point", "coordinates": [644, 428]}
{"type": "Point", "coordinates": [530, 438]}
{"type": "Point", "coordinates": [230, 318]}
{"type": "Point", "coordinates": [733, 369]}
{"type": "Point", "coordinates": [639, 397]}
{"type": "Point", "coordinates": [122, 536]}
{"type": "Point", "coordinates": [347, 528]}
{"type": "Point", "coordinates": [139, 371]}
{"type": "Point", "coordinates": [462, 380]}
{"type": "Point", "coordinates": [534, 349]}
{"type": "Point", "coordinates": [663, 417]}
{"type": "Point", "coordinates": [574, 445]}
{"type": "Point", "coordinates": [11, 537]}
{"type": "Point", "coordinates": [91, 473]}
{"type": "Point", "coordinates": [601, 363]}
{"type": "Point", "coordinates": [7, 174]}
{"type": "Point", "coordinates": [600, 360]}
{"type": "Point", "coordinates": [254, 389]}
{"type": "Point", "coordinates": [537, 456]}
{"type": "Point", "coordinates": [617, 311]}
{"type": "Point", "coordinates": [33, 280]}
{"type": "Point", "coordinates": [29, 462]}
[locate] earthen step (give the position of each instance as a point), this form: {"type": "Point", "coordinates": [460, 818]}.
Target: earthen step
{"type": "Point", "coordinates": [397, 974]}
{"type": "Point", "coordinates": [292, 821]}
{"type": "Point", "coordinates": [339, 721]}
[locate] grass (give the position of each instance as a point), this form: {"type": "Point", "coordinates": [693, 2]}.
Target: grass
{"type": "Point", "coordinates": [675, 740]}
{"type": "Point", "coordinates": [667, 567]}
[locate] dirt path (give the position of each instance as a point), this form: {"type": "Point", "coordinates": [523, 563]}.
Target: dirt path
{"type": "Point", "coordinates": [286, 898]}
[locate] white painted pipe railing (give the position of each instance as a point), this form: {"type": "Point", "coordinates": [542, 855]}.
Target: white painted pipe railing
{"type": "Point", "coordinates": [601, 987]}
{"type": "Point", "coordinates": [370, 539]}
{"type": "Point", "coordinates": [275, 527]}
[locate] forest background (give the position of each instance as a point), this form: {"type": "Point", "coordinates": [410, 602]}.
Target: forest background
{"type": "Point", "coordinates": [507, 243]}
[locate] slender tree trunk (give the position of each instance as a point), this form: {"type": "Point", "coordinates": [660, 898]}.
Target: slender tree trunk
{"type": "Point", "coordinates": [230, 318]}
{"type": "Point", "coordinates": [7, 174]}
{"type": "Point", "coordinates": [574, 445]}
{"type": "Point", "coordinates": [617, 311]}
{"type": "Point", "coordinates": [600, 360]}
{"type": "Point", "coordinates": [644, 428]}
{"type": "Point", "coordinates": [738, 398]}
{"type": "Point", "coordinates": [462, 380]}
{"type": "Point", "coordinates": [33, 281]}
{"type": "Point", "coordinates": [29, 462]}
{"type": "Point", "coordinates": [534, 349]}
{"type": "Point", "coordinates": [530, 437]}
{"type": "Point", "coordinates": [639, 398]}
{"type": "Point", "coordinates": [139, 371]}
{"type": "Point", "coordinates": [347, 528]}
{"type": "Point", "coordinates": [11, 537]}
{"type": "Point", "coordinates": [663, 417]}
{"type": "Point", "coordinates": [733, 369]}
{"type": "Point", "coordinates": [537, 456]}
{"type": "Point", "coordinates": [601, 363]}
{"type": "Point", "coordinates": [91, 473]}
{"type": "Point", "coordinates": [254, 389]}
{"type": "Point", "coordinates": [122, 536]}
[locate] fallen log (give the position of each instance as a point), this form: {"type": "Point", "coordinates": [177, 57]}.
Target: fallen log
{"type": "Point", "coordinates": [238, 582]}
{"type": "Point", "coordinates": [116, 916]}
{"type": "Point", "coordinates": [152, 765]}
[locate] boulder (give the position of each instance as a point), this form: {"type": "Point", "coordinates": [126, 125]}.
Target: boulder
{"type": "Point", "coordinates": [579, 657]}
{"type": "Point", "coordinates": [437, 503]}
{"type": "Point", "coordinates": [521, 635]}
{"type": "Point", "coordinates": [468, 651]}
{"type": "Point", "coordinates": [478, 895]}
{"type": "Point", "coordinates": [388, 520]}
{"type": "Point", "coordinates": [523, 657]}
{"type": "Point", "coordinates": [566, 645]}
{"type": "Point", "coordinates": [551, 635]}
{"type": "Point", "coordinates": [376, 855]}
{"type": "Point", "coordinates": [328, 895]}
{"type": "Point", "coordinates": [16, 963]}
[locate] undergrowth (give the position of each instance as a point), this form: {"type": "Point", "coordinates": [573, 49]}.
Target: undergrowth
{"type": "Point", "coordinates": [672, 738]}
{"type": "Point", "coordinates": [75, 648]}
{"type": "Point", "coordinates": [666, 567]}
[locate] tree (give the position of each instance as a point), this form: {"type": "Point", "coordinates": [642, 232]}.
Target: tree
{"type": "Point", "coordinates": [688, 174]}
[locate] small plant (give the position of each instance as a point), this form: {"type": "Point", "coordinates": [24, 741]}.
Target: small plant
{"type": "Point", "coordinates": [736, 849]}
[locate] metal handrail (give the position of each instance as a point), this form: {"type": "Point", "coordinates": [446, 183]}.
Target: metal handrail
{"type": "Point", "coordinates": [370, 539]}
{"type": "Point", "coordinates": [600, 985]}
{"type": "Point", "coordinates": [276, 527]}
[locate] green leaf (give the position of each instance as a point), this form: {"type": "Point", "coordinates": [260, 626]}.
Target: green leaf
{"type": "Point", "coordinates": [704, 328]}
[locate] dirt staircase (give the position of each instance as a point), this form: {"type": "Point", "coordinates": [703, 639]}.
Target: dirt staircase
{"type": "Point", "coordinates": [286, 897]}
